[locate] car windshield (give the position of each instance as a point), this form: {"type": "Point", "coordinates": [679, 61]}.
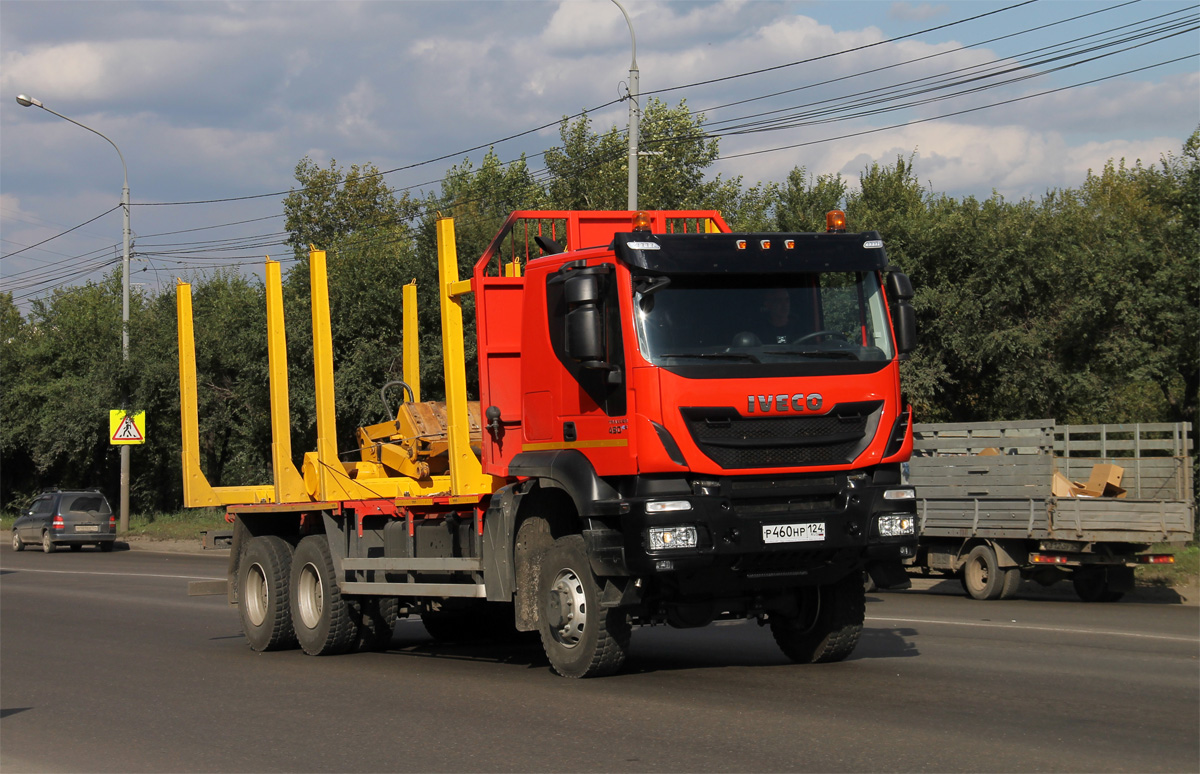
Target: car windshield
{"type": "Point", "coordinates": [830, 317]}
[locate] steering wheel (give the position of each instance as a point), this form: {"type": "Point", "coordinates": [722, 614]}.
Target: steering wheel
{"type": "Point", "coordinates": [815, 334]}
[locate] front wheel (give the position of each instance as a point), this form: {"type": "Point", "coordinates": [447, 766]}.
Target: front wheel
{"type": "Point", "coordinates": [581, 638]}
{"type": "Point", "coordinates": [17, 543]}
{"type": "Point", "coordinates": [321, 617]}
{"type": "Point", "coordinates": [263, 595]}
{"type": "Point", "coordinates": [828, 624]}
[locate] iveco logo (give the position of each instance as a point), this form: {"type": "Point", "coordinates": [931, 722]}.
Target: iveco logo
{"type": "Point", "coordinates": [784, 402]}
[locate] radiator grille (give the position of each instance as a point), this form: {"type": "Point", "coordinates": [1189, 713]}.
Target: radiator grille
{"type": "Point", "coordinates": [733, 441]}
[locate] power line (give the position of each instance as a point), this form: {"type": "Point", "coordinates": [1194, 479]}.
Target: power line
{"type": "Point", "coordinates": [56, 236]}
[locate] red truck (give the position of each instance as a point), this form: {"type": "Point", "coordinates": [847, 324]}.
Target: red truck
{"type": "Point", "coordinates": [675, 424]}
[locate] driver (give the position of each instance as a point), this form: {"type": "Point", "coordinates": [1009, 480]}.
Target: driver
{"type": "Point", "coordinates": [775, 313]}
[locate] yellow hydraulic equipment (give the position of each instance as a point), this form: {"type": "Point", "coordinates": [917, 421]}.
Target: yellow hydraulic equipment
{"type": "Point", "coordinates": [427, 450]}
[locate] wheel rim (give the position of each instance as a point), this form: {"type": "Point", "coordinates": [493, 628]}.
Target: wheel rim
{"type": "Point", "coordinates": [256, 594]}
{"type": "Point", "coordinates": [16, 542]}
{"type": "Point", "coordinates": [977, 573]}
{"type": "Point", "coordinates": [310, 596]}
{"type": "Point", "coordinates": [567, 609]}
{"type": "Point", "coordinates": [47, 544]}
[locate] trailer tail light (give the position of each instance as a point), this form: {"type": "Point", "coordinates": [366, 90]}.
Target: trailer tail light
{"type": "Point", "coordinates": [58, 523]}
{"type": "Point", "coordinates": [1156, 559]}
{"type": "Point", "coordinates": [1048, 559]}
{"type": "Point", "coordinates": [835, 222]}
{"type": "Point", "coordinates": [641, 221]}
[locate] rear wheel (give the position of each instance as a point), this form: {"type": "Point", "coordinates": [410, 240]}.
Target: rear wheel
{"type": "Point", "coordinates": [828, 624]}
{"type": "Point", "coordinates": [263, 596]}
{"type": "Point", "coordinates": [321, 617]}
{"type": "Point", "coordinates": [581, 638]}
{"type": "Point", "coordinates": [1010, 582]}
{"type": "Point", "coordinates": [376, 619]}
{"type": "Point", "coordinates": [47, 543]}
{"type": "Point", "coordinates": [17, 543]}
{"type": "Point", "coordinates": [981, 575]}
{"type": "Point", "coordinates": [1092, 585]}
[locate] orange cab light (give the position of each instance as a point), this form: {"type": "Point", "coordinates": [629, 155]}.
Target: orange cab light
{"type": "Point", "coordinates": [835, 221]}
{"type": "Point", "coordinates": [765, 244]}
{"type": "Point", "coordinates": [641, 221]}
{"type": "Point", "coordinates": [789, 244]}
{"type": "Point", "coordinates": [741, 244]}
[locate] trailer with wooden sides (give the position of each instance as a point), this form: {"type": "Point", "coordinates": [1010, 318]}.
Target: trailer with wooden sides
{"type": "Point", "coordinates": [644, 448]}
{"type": "Point", "coordinates": [999, 502]}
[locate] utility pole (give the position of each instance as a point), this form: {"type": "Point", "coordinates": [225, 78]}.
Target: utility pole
{"type": "Point", "coordinates": [633, 113]}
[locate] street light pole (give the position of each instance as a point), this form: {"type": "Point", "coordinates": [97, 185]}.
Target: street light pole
{"type": "Point", "coordinates": [25, 101]}
{"type": "Point", "coordinates": [634, 75]}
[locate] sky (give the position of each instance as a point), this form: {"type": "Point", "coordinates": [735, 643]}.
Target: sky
{"type": "Point", "coordinates": [220, 100]}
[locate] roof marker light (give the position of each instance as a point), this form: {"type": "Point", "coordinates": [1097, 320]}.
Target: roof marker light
{"type": "Point", "coordinates": [789, 244]}
{"type": "Point", "coordinates": [741, 244]}
{"type": "Point", "coordinates": [764, 244]}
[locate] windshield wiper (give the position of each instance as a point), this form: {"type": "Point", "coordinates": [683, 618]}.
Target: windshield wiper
{"type": "Point", "coordinates": [835, 353]}
{"type": "Point", "coordinates": [716, 355]}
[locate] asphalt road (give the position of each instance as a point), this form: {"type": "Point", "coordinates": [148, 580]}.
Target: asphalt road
{"type": "Point", "coordinates": [107, 665]}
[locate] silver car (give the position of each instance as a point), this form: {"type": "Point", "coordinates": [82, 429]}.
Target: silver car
{"type": "Point", "coordinates": [74, 518]}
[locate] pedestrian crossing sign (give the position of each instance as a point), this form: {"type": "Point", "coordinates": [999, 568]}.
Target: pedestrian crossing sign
{"type": "Point", "coordinates": [126, 427]}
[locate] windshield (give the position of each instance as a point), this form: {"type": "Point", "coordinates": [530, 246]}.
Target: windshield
{"type": "Point", "coordinates": [828, 317]}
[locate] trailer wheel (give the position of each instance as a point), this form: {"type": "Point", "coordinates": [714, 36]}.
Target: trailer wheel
{"type": "Point", "coordinates": [581, 638]}
{"type": "Point", "coordinates": [1091, 584]}
{"type": "Point", "coordinates": [263, 594]}
{"type": "Point", "coordinates": [320, 615]}
{"type": "Point", "coordinates": [376, 619]}
{"type": "Point", "coordinates": [828, 625]}
{"type": "Point", "coordinates": [982, 576]}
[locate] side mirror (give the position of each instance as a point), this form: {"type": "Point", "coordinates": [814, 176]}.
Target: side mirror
{"type": "Point", "coordinates": [904, 317]}
{"type": "Point", "coordinates": [585, 324]}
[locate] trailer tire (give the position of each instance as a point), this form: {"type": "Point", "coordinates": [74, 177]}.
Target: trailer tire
{"type": "Point", "coordinates": [981, 574]}
{"type": "Point", "coordinates": [264, 594]}
{"type": "Point", "coordinates": [1091, 584]}
{"type": "Point", "coordinates": [321, 616]}
{"type": "Point", "coordinates": [828, 624]}
{"type": "Point", "coordinates": [581, 638]}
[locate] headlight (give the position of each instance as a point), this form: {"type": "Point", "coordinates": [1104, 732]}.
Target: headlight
{"type": "Point", "coordinates": [672, 537]}
{"type": "Point", "coordinates": [893, 526]}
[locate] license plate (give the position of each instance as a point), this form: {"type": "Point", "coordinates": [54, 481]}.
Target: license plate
{"type": "Point", "coordinates": [793, 533]}
{"type": "Point", "coordinates": [87, 528]}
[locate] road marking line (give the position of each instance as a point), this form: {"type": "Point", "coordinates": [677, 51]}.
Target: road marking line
{"type": "Point", "coordinates": [1036, 628]}
{"type": "Point", "coordinates": [117, 574]}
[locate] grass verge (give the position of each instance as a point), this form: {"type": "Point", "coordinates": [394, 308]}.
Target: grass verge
{"type": "Point", "coordinates": [1184, 571]}
{"type": "Point", "coordinates": [181, 525]}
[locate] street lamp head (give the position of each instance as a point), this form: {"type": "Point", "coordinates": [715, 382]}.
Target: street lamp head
{"type": "Point", "coordinates": [24, 101]}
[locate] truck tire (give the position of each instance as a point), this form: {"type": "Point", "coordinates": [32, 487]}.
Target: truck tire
{"type": "Point", "coordinates": [18, 544]}
{"type": "Point", "coordinates": [981, 575]}
{"type": "Point", "coordinates": [263, 595]}
{"type": "Point", "coordinates": [1011, 581]}
{"type": "Point", "coordinates": [828, 625]}
{"type": "Point", "coordinates": [376, 619]}
{"type": "Point", "coordinates": [321, 617]}
{"type": "Point", "coordinates": [1091, 584]}
{"type": "Point", "coordinates": [581, 638]}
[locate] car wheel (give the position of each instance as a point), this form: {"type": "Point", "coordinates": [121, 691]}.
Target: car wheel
{"type": "Point", "coordinates": [18, 544]}
{"type": "Point", "coordinates": [47, 543]}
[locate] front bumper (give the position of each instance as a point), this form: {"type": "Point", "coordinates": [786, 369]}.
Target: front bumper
{"type": "Point", "coordinates": [760, 528]}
